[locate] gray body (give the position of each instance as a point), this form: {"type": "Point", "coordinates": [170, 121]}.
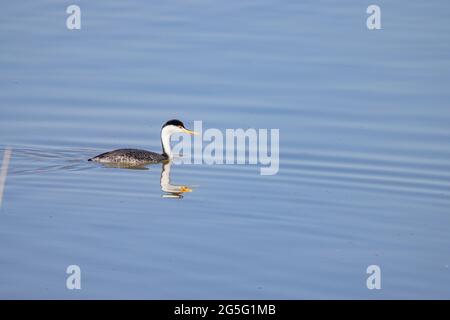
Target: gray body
{"type": "Point", "coordinates": [131, 156]}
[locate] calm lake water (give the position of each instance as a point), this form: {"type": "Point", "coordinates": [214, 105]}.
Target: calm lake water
{"type": "Point", "coordinates": [364, 121]}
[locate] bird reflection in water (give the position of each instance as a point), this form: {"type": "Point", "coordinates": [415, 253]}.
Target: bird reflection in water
{"type": "Point", "coordinates": [171, 191]}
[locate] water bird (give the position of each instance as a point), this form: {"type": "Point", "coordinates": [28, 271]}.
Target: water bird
{"type": "Point", "coordinates": [139, 157]}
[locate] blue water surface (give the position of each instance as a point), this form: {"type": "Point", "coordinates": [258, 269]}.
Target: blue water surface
{"type": "Point", "coordinates": [364, 120]}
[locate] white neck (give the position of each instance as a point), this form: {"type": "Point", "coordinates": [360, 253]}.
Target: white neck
{"type": "Point", "coordinates": [166, 132]}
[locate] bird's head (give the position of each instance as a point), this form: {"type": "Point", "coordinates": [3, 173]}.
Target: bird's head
{"type": "Point", "coordinates": [168, 129]}
{"type": "Point", "coordinates": [174, 126]}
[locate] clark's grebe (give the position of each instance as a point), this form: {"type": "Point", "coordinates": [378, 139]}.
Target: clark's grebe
{"type": "Point", "coordinates": [137, 156]}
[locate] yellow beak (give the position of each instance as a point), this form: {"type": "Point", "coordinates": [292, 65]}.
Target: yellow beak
{"type": "Point", "coordinates": [189, 131]}
{"type": "Point", "coordinates": [185, 189]}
